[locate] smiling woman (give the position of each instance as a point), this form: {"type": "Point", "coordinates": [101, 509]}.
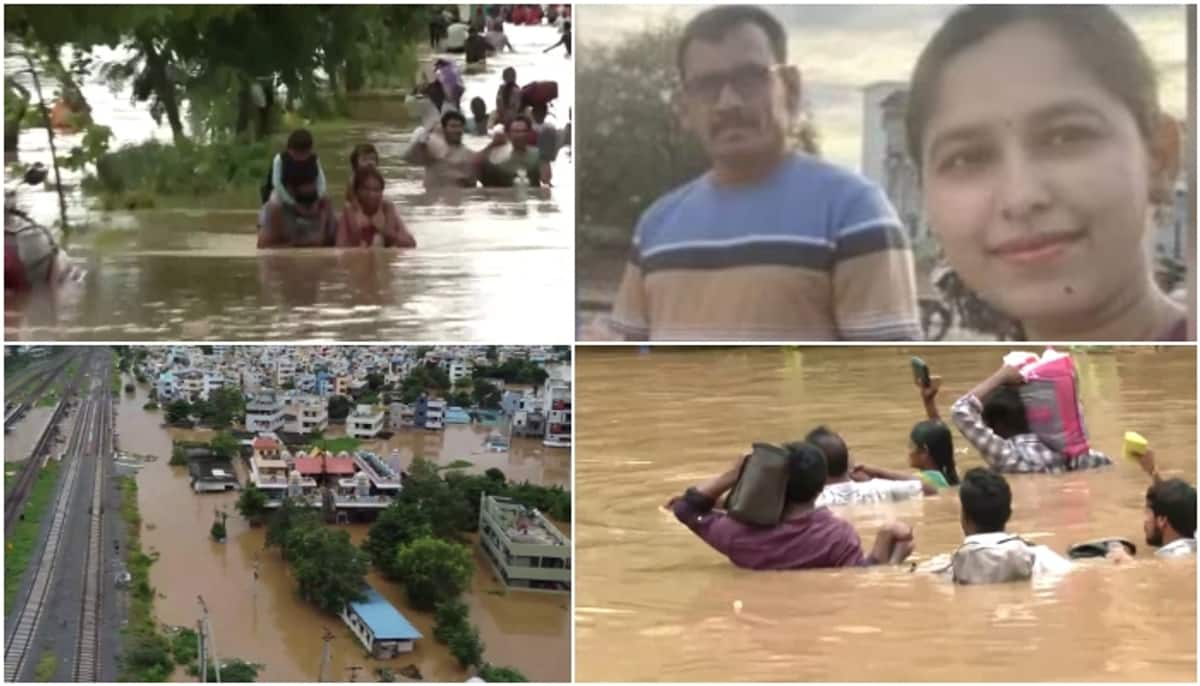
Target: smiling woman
{"type": "Point", "coordinates": [1040, 188]}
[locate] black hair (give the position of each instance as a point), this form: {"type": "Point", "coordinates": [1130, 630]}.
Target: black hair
{"type": "Point", "coordinates": [837, 457]}
{"type": "Point", "coordinates": [986, 499]}
{"type": "Point", "coordinates": [936, 439]}
{"type": "Point", "coordinates": [453, 115]}
{"type": "Point", "coordinates": [806, 472]}
{"type": "Point", "coordinates": [300, 140]}
{"type": "Point", "coordinates": [717, 22]}
{"type": "Point", "coordinates": [1096, 35]}
{"type": "Point", "coordinates": [362, 150]}
{"type": "Point", "coordinates": [478, 107]}
{"type": "Point", "coordinates": [298, 172]}
{"type": "Point", "coordinates": [1004, 412]}
{"type": "Point", "coordinates": [539, 111]}
{"type": "Point", "coordinates": [361, 175]}
{"type": "Point", "coordinates": [519, 118]}
{"type": "Point", "coordinates": [1174, 499]}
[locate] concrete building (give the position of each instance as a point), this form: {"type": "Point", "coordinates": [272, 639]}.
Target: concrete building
{"type": "Point", "coordinates": [558, 413]}
{"type": "Point", "coordinates": [166, 386]}
{"type": "Point", "coordinates": [379, 626]}
{"type": "Point", "coordinates": [526, 551]}
{"type": "Point", "coordinates": [366, 421]}
{"type": "Point", "coordinates": [264, 413]}
{"type": "Point", "coordinates": [459, 370]}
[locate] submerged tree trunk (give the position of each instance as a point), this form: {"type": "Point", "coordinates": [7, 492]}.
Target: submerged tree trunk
{"type": "Point", "coordinates": [37, 88]}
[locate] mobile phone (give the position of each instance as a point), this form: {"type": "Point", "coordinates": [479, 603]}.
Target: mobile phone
{"type": "Point", "coordinates": [920, 372]}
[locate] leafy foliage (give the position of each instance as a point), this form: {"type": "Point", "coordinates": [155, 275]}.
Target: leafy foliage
{"type": "Point", "coordinates": [493, 674]}
{"type": "Point", "coordinates": [433, 571]}
{"type": "Point", "coordinates": [252, 504]}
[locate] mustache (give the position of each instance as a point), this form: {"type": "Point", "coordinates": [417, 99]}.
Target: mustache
{"type": "Point", "coordinates": [734, 120]}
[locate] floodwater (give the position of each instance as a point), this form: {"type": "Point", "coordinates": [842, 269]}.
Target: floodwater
{"type": "Point", "coordinates": [25, 433]}
{"type": "Point", "coordinates": [488, 262]}
{"type": "Point", "coordinates": [655, 603]}
{"type": "Point", "coordinates": [268, 623]}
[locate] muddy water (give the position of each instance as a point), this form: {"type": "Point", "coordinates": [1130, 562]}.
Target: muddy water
{"type": "Point", "coordinates": [25, 433]}
{"type": "Point", "coordinates": [488, 262]}
{"type": "Point", "coordinates": [655, 603]}
{"type": "Point", "coordinates": [268, 623]}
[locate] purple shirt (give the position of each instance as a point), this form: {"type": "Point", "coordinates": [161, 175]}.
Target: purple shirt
{"type": "Point", "coordinates": [811, 540]}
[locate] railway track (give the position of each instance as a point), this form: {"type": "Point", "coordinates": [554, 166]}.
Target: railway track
{"type": "Point", "coordinates": [22, 395]}
{"type": "Point", "coordinates": [19, 643]}
{"type": "Point", "coordinates": [15, 501]}
{"type": "Point", "coordinates": [87, 652]}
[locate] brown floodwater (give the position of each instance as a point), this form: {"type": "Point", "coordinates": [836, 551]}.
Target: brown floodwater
{"type": "Point", "coordinates": [488, 262]}
{"type": "Point", "coordinates": [269, 624]}
{"type": "Point", "coordinates": [25, 433]}
{"type": "Point", "coordinates": [655, 603]}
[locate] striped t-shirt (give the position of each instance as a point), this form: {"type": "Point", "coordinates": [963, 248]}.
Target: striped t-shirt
{"type": "Point", "coordinates": [814, 252]}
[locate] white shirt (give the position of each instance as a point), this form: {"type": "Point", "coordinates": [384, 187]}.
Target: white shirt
{"type": "Point", "coordinates": [870, 491]}
{"type": "Point", "coordinates": [456, 36]}
{"type": "Point", "coordinates": [1048, 566]}
{"type": "Point", "coordinates": [1180, 547]}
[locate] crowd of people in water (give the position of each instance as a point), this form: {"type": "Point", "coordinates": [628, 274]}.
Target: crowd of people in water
{"type": "Point", "coordinates": [819, 475]}
{"type": "Point", "coordinates": [523, 142]}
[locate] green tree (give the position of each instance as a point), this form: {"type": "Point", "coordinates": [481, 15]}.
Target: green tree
{"type": "Point", "coordinates": [339, 407]}
{"type": "Point", "coordinates": [466, 646]}
{"type": "Point", "coordinates": [402, 522]}
{"type": "Point", "coordinates": [445, 511]}
{"type": "Point", "coordinates": [492, 353]}
{"type": "Point", "coordinates": [460, 399]}
{"type": "Point", "coordinates": [495, 474]}
{"type": "Point", "coordinates": [449, 616]}
{"type": "Point", "coordinates": [434, 571]}
{"type": "Point", "coordinates": [218, 530]}
{"type": "Point", "coordinates": [329, 570]}
{"type": "Point", "coordinates": [493, 674]}
{"type": "Point", "coordinates": [178, 411]}
{"type": "Point", "coordinates": [252, 504]}
{"type": "Point", "coordinates": [226, 404]}
{"type": "Point", "coordinates": [290, 514]}
{"type": "Point", "coordinates": [225, 445]}
{"type": "Point", "coordinates": [468, 491]}
{"type": "Point", "coordinates": [375, 381]}
{"type": "Point", "coordinates": [487, 395]}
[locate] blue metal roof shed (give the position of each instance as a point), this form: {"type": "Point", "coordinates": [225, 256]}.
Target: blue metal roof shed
{"type": "Point", "coordinates": [384, 620]}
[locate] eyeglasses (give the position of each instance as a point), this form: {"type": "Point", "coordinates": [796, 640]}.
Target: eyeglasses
{"type": "Point", "coordinates": [749, 81]}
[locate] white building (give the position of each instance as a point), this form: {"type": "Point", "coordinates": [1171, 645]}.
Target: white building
{"type": "Point", "coordinates": [526, 550]}
{"type": "Point", "coordinates": [557, 409]}
{"type": "Point", "coordinates": [435, 414]}
{"type": "Point", "coordinates": [285, 371]}
{"type": "Point", "coordinates": [166, 387]}
{"type": "Point", "coordinates": [885, 158]}
{"type": "Point", "coordinates": [314, 415]}
{"type": "Point", "coordinates": [264, 413]}
{"type": "Point", "coordinates": [459, 369]}
{"type": "Point", "coordinates": [191, 385]}
{"type": "Point", "coordinates": [212, 382]}
{"type": "Point", "coordinates": [366, 421]}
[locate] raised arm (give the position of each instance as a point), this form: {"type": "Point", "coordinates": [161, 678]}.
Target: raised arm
{"type": "Point", "coordinates": [967, 415]}
{"type": "Point", "coordinates": [929, 397]}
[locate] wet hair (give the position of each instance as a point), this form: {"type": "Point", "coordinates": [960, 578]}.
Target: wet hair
{"type": "Point", "coordinates": [453, 115]}
{"type": "Point", "coordinates": [831, 445]}
{"type": "Point", "coordinates": [1174, 499]}
{"type": "Point", "coordinates": [300, 140]}
{"type": "Point", "coordinates": [1004, 412]}
{"type": "Point", "coordinates": [1095, 34]}
{"type": "Point", "coordinates": [539, 111]}
{"type": "Point", "coordinates": [478, 107]}
{"type": "Point", "coordinates": [986, 499]}
{"type": "Point", "coordinates": [806, 472]}
{"type": "Point", "coordinates": [715, 23]}
{"type": "Point", "coordinates": [362, 175]}
{"type": "Point", "coordinates": [520, 118]}
{"type": "Point", "coordinates": [362, 150]}
{"type": "Point", "coordinates": [936, 439]}
{"type": "Point", "coordinates": [508, 70]}
{"type": "Point", "coordinates": [299, 172]}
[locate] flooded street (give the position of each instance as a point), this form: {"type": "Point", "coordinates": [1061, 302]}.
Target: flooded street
{"type": "Point", "coordinates": [488, 262]}
{"type": "Point", "coordinates": [270, 624]}
{"type": "Point", "coordinates": [655, 603]}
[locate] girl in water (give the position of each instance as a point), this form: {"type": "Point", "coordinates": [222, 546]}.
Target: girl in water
{"type": "Point", "coordinates": [930, 443]}
{"type": "Point", "coordinates": [1042, 153]}
{"type": "Point", "coordinates": [370, 220]}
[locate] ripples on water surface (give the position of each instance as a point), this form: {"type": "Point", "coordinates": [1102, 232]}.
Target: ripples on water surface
{"type": "Point", "coordinates": [655, 603]}
{"type": "Point", "coordinates": [489, 263]}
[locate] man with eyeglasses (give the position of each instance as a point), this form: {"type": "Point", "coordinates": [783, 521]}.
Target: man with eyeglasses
{"type": "Point", "coordinates": [770, 244]}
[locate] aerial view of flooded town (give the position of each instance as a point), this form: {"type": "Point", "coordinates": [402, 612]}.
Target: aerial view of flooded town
{"type": "Point", "coordinates": [287, 513]}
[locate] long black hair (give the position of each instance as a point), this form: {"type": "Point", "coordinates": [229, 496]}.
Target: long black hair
{"type": "Point", "coordinates": [936, 439]}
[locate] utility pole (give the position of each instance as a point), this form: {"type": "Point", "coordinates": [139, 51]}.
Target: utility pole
{"type": "Point", "coordinates": [324, 668]}
{"type": "Point", "coordinates": [200, 651]}
{"type": "Point", "coordinates": [212, 642]}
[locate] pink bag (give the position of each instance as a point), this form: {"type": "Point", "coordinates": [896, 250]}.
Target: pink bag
{"type": "Point", "coordinates": [1051, 398]}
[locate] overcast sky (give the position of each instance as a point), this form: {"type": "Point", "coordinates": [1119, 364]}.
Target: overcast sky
{"type": "Point", "coordinates": [822, 40]}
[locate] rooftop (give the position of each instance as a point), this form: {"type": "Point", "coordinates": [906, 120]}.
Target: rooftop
{"type": "Point", "coordinates": [384, 620]}
{"type": "Point", "coordinates": [331, 465]}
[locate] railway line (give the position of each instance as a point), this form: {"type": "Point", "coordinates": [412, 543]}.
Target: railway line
{"type": "Point", "coordinates": [77, 581]}
{"type": "Point", "coordinates": [19, 398]}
